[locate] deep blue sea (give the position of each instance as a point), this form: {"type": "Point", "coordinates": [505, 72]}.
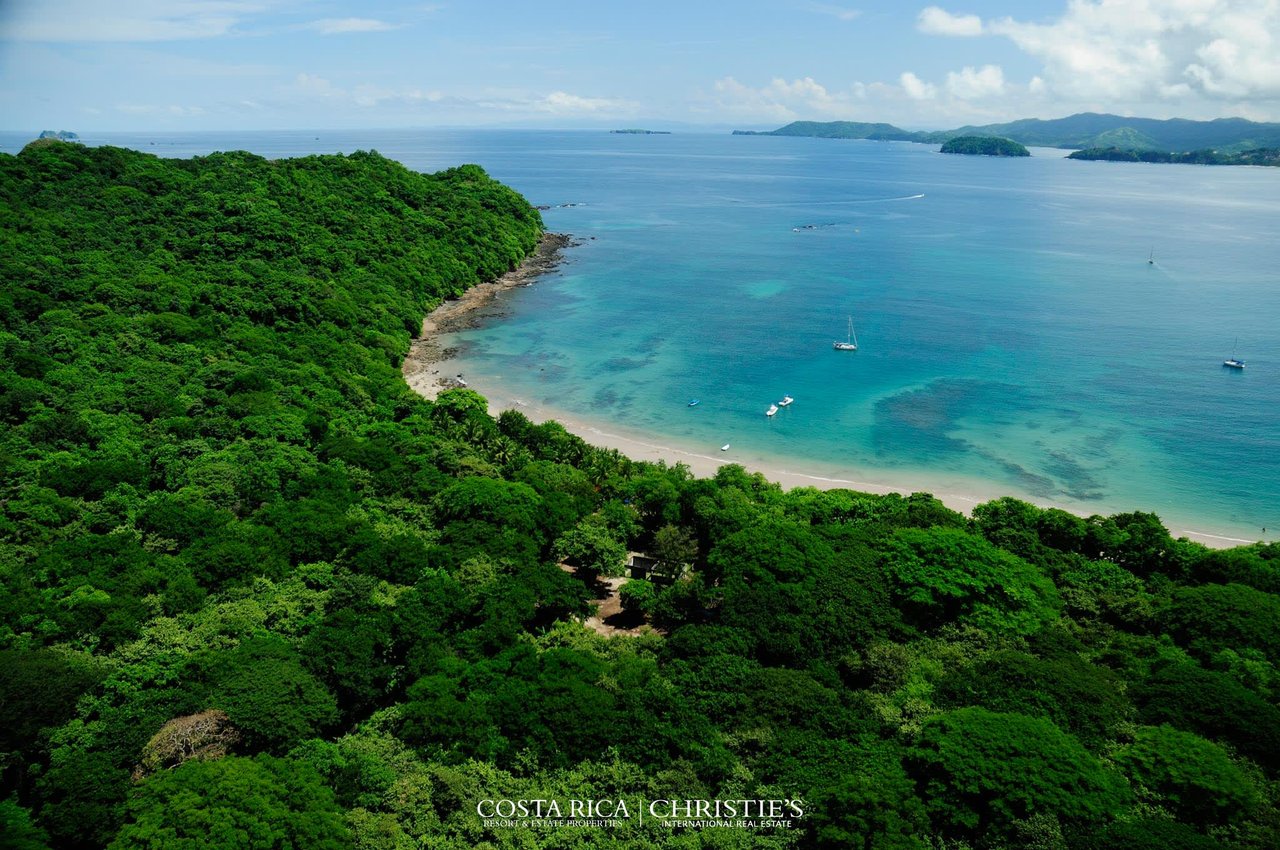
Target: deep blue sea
{"type": "Point", "coordinates": [1013, 336]}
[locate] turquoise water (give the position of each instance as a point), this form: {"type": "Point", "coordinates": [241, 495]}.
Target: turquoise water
{"type": "Point", "coordinates": [1011, 329]}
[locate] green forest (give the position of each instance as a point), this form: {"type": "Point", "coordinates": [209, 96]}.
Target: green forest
{"type": "Point", "coordinates": [984, 146]}
{"type": "Point", "coordinates": [1083, 130]}
{"type": "Point", "coordinates": [259, 594]}
{"type": "Point", "coordinates": [1257, 156]}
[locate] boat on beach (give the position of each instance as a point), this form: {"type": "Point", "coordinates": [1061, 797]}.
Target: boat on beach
{"type": "Point", "coordinates": [851, 340]}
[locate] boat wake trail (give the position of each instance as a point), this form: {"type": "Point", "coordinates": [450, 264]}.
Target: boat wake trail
{"type": "Point", "coordinates": [867, 201]}
{"type": "Point", "coordinates": [845, 203]}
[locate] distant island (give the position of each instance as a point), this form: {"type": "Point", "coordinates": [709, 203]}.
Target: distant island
{"type": "Point", "coordinates": [841, 130]}
{"type": "Point", "coordinates": [60, 135]}
{"type": "Point", "coordinates": [634, 132]}
{"type": "Point", "coordinates": [984, 146]}
{"type": "Point", "coordinates": [1084, 131]}
{"type": "Point", "coordinates": [1258, 156]}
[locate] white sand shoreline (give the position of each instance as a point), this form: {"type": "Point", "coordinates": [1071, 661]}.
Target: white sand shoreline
{"type": "Point", "coordinates": [958, 493]}
{"type": "Point", "coordinates": [432, 364]}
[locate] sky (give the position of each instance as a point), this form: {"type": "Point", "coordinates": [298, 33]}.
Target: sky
{"type": "Point", "coordinates": [756, 64]}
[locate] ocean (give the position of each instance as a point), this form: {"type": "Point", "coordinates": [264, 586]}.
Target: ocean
{"type": "Point", "coordinates": [1013, 337]}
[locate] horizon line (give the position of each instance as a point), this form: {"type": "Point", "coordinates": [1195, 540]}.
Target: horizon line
{"type": "Point", "coordinates": [657, 123]}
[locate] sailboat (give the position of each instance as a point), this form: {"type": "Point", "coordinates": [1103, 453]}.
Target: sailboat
{"type": "Point", "coordinates": [851, 341]}
{"type": "Point", "coordinates": [1233, 361]}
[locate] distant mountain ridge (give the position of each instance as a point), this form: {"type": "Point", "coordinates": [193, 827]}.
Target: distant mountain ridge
{"type": "Point", "coordinates": [837, 130]}
{"type": "Point", "coordinates": [1085, 130]}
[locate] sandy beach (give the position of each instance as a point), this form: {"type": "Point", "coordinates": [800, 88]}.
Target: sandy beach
{"type": "Point", "coordinates": [431, 367]}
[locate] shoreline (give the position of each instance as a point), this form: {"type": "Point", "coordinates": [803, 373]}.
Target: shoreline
{"type": "Point", "coordinates": [428, 370]}
{"type": "Point", "coordinates": [424, 366]}
{"type": "Point", "coordinates": [958, 493]}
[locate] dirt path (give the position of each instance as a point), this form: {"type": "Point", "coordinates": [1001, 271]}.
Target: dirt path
{"type": "Point", "coordinates": [609, 619]}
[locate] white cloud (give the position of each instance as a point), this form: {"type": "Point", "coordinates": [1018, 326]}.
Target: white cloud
{"type": "Point", "coordinates": [781, 100]}
{"type": "Point", "coordinates": [314, 85]}
{"type": "Point", "coordinates": [342, 26]}
{"type": "Point", "coordinates": [563, 103]}
{"type": "Point", "coordinates": [970, 84]}
{"type": "Point", "coordinates": [916, 88]}
{"type": "Point", "coordinates": [172, 110]}
{"type": "Point", "coordinates": [139, 20]}
{"type": "Point", "coordinates": [555, 103]}
{"type": "Point", "coordinates": [1145, 51]}
{"type": "Point", "coordinates": [971, 95]}
{"type": "Point", "coordinates": [838, 12]}
{"type": "Point", "coordinates": [368, 96]}
{"type": "Point", "coordinates": [936, 21]}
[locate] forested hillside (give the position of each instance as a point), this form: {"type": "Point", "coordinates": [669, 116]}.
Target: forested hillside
{"type": "Point", "coordinates": [984, 146]}
{"type": "Point", "coordinates": [258, 594]}
{"type": "Point", "coordinates": [1084, 130]}
{"type": "Point", "coordinates": [1260, 156]}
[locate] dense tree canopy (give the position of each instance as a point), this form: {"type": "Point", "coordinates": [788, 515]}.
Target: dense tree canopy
{"type": "Point", "coordinates": [987, 770]}
{"type": "Point", "coordinates": [984, 146]}
{"type": "Point", "coordinates": [256, 804]}
{"type": "Point", "coordinates": [1195, 777]}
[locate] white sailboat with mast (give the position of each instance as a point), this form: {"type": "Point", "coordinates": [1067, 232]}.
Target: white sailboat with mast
{"type": "Point", "coordinates": [1233, 361]}
{"type": "Point", "coordinates": [851, 340]}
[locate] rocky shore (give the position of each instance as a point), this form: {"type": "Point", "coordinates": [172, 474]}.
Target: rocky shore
{"type": "Point", "coordinates": [424, 367]}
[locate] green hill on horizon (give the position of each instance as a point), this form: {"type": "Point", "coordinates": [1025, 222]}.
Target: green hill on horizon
{"type": "Point", "coordinates": [1083, 130]}
{"type": "Point", "coordinates": [984, 146]}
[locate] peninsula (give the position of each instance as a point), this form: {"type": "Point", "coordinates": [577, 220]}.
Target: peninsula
{"type": "Point", "coordinates": [1259, 156]}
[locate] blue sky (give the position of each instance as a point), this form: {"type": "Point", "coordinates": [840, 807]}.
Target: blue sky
{"type": "Point", "coordinates": [268, 64]}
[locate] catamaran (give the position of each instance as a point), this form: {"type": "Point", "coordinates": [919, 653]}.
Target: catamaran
{"type": "Point", "coordinates": [851, 341]}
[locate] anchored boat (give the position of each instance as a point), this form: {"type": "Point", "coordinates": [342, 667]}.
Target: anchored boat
{"type": "Point", "coordinates": [851, 340]}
